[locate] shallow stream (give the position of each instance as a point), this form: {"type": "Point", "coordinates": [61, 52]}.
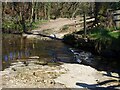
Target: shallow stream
{"type": "Point", "coordinates": [16, 47]}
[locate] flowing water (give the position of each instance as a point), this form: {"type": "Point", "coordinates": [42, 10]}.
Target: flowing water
{"type": "Point", "coordinates": [16, 47]}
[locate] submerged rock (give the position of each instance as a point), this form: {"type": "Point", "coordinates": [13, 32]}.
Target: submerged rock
{"type": "Point", "coordinates": [82, 56]}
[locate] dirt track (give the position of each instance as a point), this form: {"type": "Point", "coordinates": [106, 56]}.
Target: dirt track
{"type": "Point", "coordinates": [55, 27]}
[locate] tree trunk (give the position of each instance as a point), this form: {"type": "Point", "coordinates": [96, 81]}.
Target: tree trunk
{"type": "Point", "coordinates": [23, 24]}
{"type": "Point", "coordinates": [48, 12]}
{"type": "Point", "coordinates": [36, 12]}
{"type": "Point", "coordinates": [45, 11]}
{"type": "Point", "coordinates": [84, 24]}
{"type": "Point", "coordinates": [109, 20]}
{"type": "Point", "coordinates": [73, 15]}
{"type": "Point", "coordinates": [97, 6]}
{"type": "Point", "coordinates": [32, 12]}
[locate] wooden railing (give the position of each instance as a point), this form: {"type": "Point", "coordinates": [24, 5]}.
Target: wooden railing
{"type": "Point", "coordinates": [90, 20]}
{"type": "Point", "coordinates": [117, 17]}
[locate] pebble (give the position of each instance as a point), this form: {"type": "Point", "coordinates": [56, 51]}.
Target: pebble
{"type": "Point", "coordinates": [34, 57]}
{"type": "Point", "coordinates": [13, 69]}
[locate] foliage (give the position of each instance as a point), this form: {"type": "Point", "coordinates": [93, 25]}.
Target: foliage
{"type": "Point", "coordinates": [105, 39]}
{"type": "Point", "coordinates": [11, 26]}
{"type": "Point", "coordinates": [103, 13]}
{"type": "Point", "coordinates": [115, 5]}
{"type": "Point", "coordinates": [24, 14]}
{"type": "Point", "coordinates": [27, 14]}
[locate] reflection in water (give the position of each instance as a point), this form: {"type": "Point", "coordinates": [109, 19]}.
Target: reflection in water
{"type": "Point", "coordinates": [16, 47]}
{"type": "Point", "coordinates": [6, 58]}
{"type": "Point", "coordinates": [17, 55]}
{"type": "Point", "coordinates": [11, 56]}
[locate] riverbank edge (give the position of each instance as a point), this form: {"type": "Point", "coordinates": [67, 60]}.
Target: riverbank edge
{"type": "Point", "coordinates": [89, 44]}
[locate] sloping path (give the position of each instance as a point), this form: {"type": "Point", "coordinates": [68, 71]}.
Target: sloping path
{"type": "Point", "coordinates": [54, 27]}
{"type": "Point", "coordinates": [52, 24]}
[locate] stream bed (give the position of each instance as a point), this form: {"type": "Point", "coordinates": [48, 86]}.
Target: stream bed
{"type": "Point", "coordinates": [16, 47]}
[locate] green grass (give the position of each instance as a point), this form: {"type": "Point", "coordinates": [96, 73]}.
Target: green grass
{"type": "Point", "coordinates": [35, 24]}
{"type": "Point", "coordinates": [65, 27]}
{"type": "Point", "coordinates": [114, 34]}
{"type": "Point", "coordinates": [107, 38]}
{"type": "Point", "coordinates": [101, 32]}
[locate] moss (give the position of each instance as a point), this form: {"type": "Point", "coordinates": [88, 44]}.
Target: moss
{"type": "Point", "coordinates": [54, 64]}
{"type": "Point", "coordinates": [65, 27]}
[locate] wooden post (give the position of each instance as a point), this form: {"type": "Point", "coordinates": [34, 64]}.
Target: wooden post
{"type": "Point", "coordinates": [84, 17]}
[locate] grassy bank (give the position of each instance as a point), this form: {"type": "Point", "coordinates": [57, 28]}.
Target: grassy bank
{"type": "Point", "coordinates": [107, 39]}
{"type": "Point", "coordinates": [100, 40]}
{"type": "Point", "coordinates": [101, 32]}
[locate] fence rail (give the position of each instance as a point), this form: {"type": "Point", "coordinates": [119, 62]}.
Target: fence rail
{"type": "Point", "coordinates": [91, 19]}
{"type": "Point", "coordinates": [115, 14]}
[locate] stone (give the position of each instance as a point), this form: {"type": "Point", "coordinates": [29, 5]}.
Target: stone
{"type": "Point", "coordinates": [41, 63]}
{"type": "Point", "coordinates": [34, 57]}
{"type": "Point", "coordinates": [13, 69]}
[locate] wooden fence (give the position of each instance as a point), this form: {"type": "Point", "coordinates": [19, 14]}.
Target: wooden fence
{"type": "Point", "coordinates": [115, 14]}
{"type": "Point", "coordinates": [86, 22]}
{"type": "Point", "coordinates": [89, 20]}
{"type": "Point", "coordinates": [117, 18]}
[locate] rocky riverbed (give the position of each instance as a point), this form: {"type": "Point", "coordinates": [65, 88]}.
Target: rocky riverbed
{"type": "Point", "coordinates": [33, 75]}
{"type": "Point", "coordinates": [40, 75]}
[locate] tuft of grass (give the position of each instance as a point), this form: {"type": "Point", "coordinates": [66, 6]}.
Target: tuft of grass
{"type": "Point", "coordinates": [107, 38]}
{"type": "Point", "coordinates": [101, 32]}
{"type": "Point", "coordinates": [65, 27]}
{"type": "Point", "coordinates": [114, 34]}
{"type": "Point", "coordinates": [36, 24]}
